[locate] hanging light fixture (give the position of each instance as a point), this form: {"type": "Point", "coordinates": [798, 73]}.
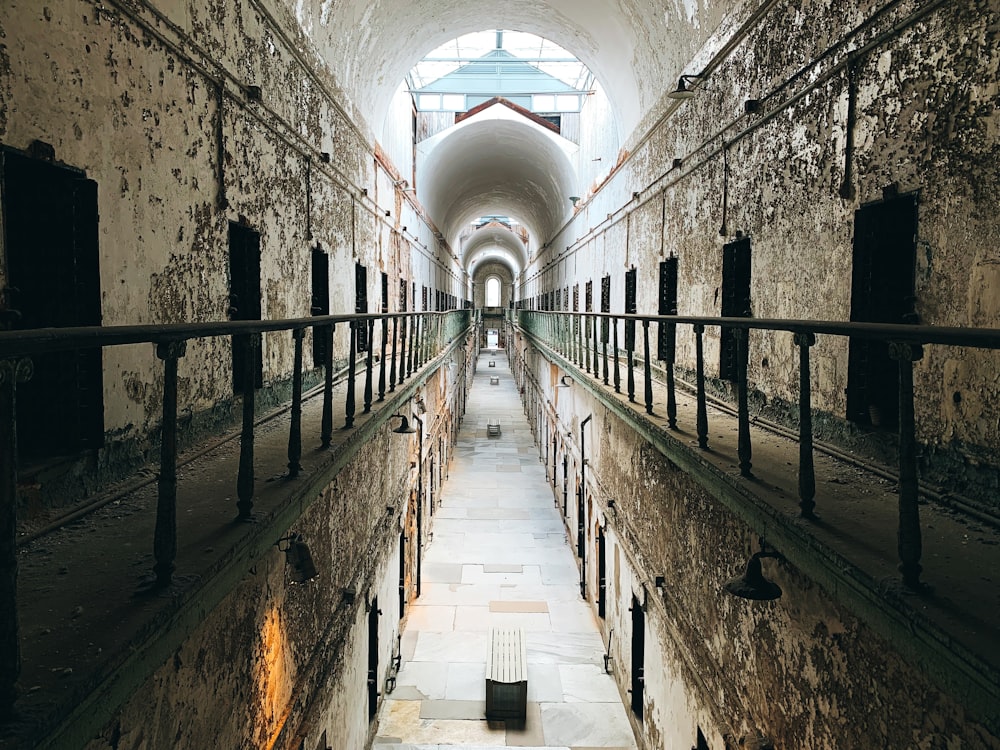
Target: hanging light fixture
{"type": "Point", "coordinates": [752, 584]}
{"type": "Point", "coordinates": [298, 558]}
{"type": "Point", "coordinates": [404, 426]}
{"type": "Point", "coordinates": [682, 91]}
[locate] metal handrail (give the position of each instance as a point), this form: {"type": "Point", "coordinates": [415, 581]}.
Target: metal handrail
{"type": "Point", "coordinates": [408, 340]}
{"type": "Point", "coordinates": [583, 339]}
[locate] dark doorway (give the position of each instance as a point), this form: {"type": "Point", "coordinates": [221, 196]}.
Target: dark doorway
{"type": "Point", "coordinates": [50, 220]}
{"type": "Point", "coordinates": [320, 304]}
{"type": "Point", "coordinates": [602, 573]}
{"type": "Point", "coordinates": [882, 291]}
{"type": "Point", "coordinates": [373, 693]}
{"type": "Point", "coordinates": [638, 657]}
{"type": "Point", "coordinates": [361, 305]}
{"type": "Point", "coordinates": [631, 308]}
{"type": "Point", "coordinates": [581, 530]}
{"type": "Point", "coordinates": [735, 301]}
{"type": "Point", "coordinates": [385, 292]}
{"type": "Point", "coordinates": [402, 574]}
{"type": "Point", "coordinates": [244, 300]}
{"type": "Point", "coordinates": [667, 306]}
{"type": "Point", "coordinates": [565, 502]}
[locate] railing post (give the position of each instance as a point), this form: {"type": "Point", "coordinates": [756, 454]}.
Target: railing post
{"type": "Point", "coordinates": [604, 346]}
{"type": "Point", "coordinates": [350, 406]}
{"type": "Point", "coordinates": [326, 428]}
{"type": "Point", "coordinates": [743, 450]}
{"type": "Point", "coordinates": [585, 343]}
{"type": "Point", "coordinates": [596, 363]}
{"type": "Point", "coordinates": [295, 427]}
{"type": "Point", "coordinates": [807, 474]}
{"type": "Point", "coordinates": [12, 372]}
{"type": "Point", "coordinates": [647, 370]}
{"type": "Point", "coordinates": [393, 361]}
{"type": "Point", "coordinates": [617, 363]}
{"type": "Point", "coordinates": [244, 480]}
{"type": "Point", "coordinates": [671, 354]}
{"type": "Point", "coordinates": [909, 535]}
{"type": "Point", "coordinates": [630, 357]}
{"type": "Point", "coordinates": [381, 360]}
{"type": "Point", "coordinates": [699, 354]}
{"type": "Point", "coordinates": [411, 355]}
{"type": "Point", "coordinates": [370, 323]}
{"type": "Point", "coordinates": [165, 531]}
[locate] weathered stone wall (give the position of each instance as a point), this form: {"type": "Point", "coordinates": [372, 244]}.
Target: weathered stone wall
{"type": "Point", "coordinates": [926, 121]}
{"type": "Point", "coordinates": [803, 670]}
{"type": "Point", "coordinates": [139, 98]}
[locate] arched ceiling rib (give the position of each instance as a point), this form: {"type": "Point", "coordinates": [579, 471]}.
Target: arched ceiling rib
{"type": "Point", "coordinates": [633, 47]}
{"type": "Point", "coordinates": [495, 239]}
{"type": "Point", "coordinates": [498, 166]}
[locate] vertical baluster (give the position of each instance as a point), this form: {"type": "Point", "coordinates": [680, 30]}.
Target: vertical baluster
{"type": "Point", "coordinates": [909, 535]}
{"type": "Point", "coordinates": [578, 322]}
{"type": "Point", "coordinates": [370, 325]}
{"type": "Point", "coordinates": [295, 428]}
{"type": "Point", "coordinates": [165, 531]}
{"type": "Point", "coordinates": [597, 371]}
{"type": "Point", "coordinates": [807, 475]}
{"type": "Point", "coordinates": [630, 357]}
{"type": "Point", "coordinates": [411, 357]}
{"type": "Point", "coordinates": [350, 406]}
{"type": "Point", "coordinates": [671, 391]}
{"type": "Point", "coordinates": [404, 326]}
{"type": "Point", "coordinates": [12, 372]}
{"type": "Point", "coordinates": [617, 380]}
{"type": "Point", "coordinates": [743, 450]}
{"type": "Point", "coordinates": [326, 428]}
{"type": "Point", "coordinates": [384, 327]}
{"type": "Point", "coordinates": [245, 479]}
{"type": "Point", "coordinates": [393, 361]}
{"type": "Point", "coordinates": [604, 345]}
{"type": "Point", "coordinates": [699, 354]}
{"type": "Point", "coordinates": [647, 369]}
{"type": "Point", "coordinates": [586, 342]}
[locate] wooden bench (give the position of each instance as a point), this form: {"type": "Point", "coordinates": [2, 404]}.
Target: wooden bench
{"type": "Point", "coordinates": [506, 675]}
{"type": "Point", "coordinates": [493, 428]}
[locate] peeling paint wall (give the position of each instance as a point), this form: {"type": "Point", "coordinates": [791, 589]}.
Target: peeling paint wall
{"type": "Point", "coordinates": [139, 98]}
{"type": "Point", "coordinates": [803, 670]}
{"type": "Point", "coordinates": [926, 112]}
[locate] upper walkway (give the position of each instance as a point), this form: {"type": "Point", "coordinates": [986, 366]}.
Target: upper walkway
{"type": "Point", "coordinates": [500, 557]}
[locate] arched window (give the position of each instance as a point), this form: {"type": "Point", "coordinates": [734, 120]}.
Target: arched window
{"type": "Point", "coordinates": [493, 292]}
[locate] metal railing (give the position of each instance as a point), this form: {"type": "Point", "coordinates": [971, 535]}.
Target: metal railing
{"type": "Point", "coordinates": [407, 342]}
{"type": "Point", "coordinates": [584, 339]}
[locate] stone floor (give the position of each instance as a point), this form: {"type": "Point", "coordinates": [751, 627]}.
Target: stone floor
{"type": "Point", "coordinates": [500, 557]}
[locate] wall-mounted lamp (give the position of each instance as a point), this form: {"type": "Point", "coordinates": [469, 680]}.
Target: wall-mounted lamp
{"type": "Point", "coordinates": [661, 584]}
{"type": "Point", "coordinates": [611, 505]}
{"type": "Point", "coordinates": [564, 382]}
{"type": "Point", "coordinates": [751, 105]}
{"type": "Point", "coordinates": [404, 426]}
{"type": "Point", "coordinates": [752, 584]}
{"type": "Point", "coordinates": [682, 91]}
{"type": "Point", "coordinates": [574, 199]}
{"type": "Point", "coordinates": [298, 558]}
{"type": "Point", "coordinates": [253, 93]}
{"type": "Point", "coordinates": [678, 163]}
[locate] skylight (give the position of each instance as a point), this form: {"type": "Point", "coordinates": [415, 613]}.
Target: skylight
{"type": "Point", "coordinates": [527, 49]}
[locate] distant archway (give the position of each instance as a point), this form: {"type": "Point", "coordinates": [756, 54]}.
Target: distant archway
{"type": "Point", "coordinates": [493, 292]}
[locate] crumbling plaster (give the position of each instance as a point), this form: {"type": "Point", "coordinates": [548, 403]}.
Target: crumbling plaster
{"type": "Point", "coordinates": [802, 670]}
{"type": "Point", "coordinates": [926, 113]}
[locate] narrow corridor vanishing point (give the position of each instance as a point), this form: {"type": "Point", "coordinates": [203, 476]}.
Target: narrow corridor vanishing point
{"type": "Point", "coordinates": [500, 556]}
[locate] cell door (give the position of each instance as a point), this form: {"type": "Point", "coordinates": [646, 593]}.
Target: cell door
{"type": "Point", "coordinates": [735, 301]}
{"type": "Point", "coordinates": [320, 300]}
{"type": "Point", "coordinates": [667, 306]}
{"type": "Point", "coordinates": [638, 657]}
{"type": "Point", "coordinates": [373, 615]}
{"type": "Point", "coordinates": [882, 291]}
{"type": "Point", "coordinates": [244, 300]}
{"type": "Point", "coordinates": [361, 305]}
{"type": "Point", "coordinates": [602, 573]}
{"type": "Point", "coordinates": [53, 280]}
{"type": "Point", "coordinates": [631, 308]}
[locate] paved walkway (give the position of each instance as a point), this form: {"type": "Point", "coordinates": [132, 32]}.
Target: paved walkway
{"type": "Point", "coordinates": [500, 557]}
